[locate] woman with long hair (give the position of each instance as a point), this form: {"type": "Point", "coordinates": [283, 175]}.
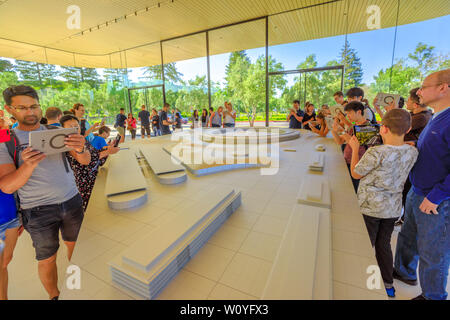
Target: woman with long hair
{"type": "Point", "coordinates": [310, 115]}
{"type": "Point", "coordinates": [195, 120]}
{"type": "Point", "coordinates": [229, 116]}
{"type": "Point", "coordinates": [204, 118]}
{"type": "Point", "coordinates": [131, 126]}
{"type": "Point", "coordinates": [85, 176]}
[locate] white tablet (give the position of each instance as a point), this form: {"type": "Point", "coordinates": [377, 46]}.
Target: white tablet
{"type": "Point", "coordinates": [384, 99]}
{"type": "Point", "coordinates": [334, 110]}
{"type": "Point", "coordinates": [50, 141]}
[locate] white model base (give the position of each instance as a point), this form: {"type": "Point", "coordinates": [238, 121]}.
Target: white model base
{"type": "Point", "coordinates": [146, 268]}
{"type": "Point", "coordinates": [126, 201]}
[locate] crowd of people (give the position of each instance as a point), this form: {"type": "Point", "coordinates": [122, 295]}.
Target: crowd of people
{"type": "Point", "coordinates": [404, 181]}
{"type": "Point", "coordinates": [408, 173]}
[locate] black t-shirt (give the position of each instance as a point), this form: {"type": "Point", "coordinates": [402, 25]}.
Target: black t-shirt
{"type": "Point", "coordinates": [178, 120]}
{"type": "Point", "coordinates": [164, 129]}
{"type": "Point", "coordinates": [308, 117]}
{"type": "Point", "coordinates": [155, 121]}
{"type": "Point", "coordinates": [120, 120]}
{"type": "Point", "coordinates": [145, 117]}
{"type": "Point", "coordinates": [294, 123]}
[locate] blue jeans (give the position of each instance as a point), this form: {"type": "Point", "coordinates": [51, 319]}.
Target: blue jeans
{"type": "Point", "coordinates": [156, 131]}
{"type": "Point", "coordinates": [425, 238]}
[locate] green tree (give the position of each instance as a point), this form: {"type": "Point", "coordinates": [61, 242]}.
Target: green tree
{"type": "Point", "coordinates": [353, 69]}
{"type": "Point", "coordinates": [170, 73]}
{"type": "Point", "coordinates": [36, 74]}
{"type": "Point", "coordinates": [116, 76]}
{"type": "Point", "coordinates": [404, 78]}
{"type": "Point", "coordinates": [7, 79]}
{"type": "Point", "coordinates": [235, 73]}
{"type": "Point", "coordinates": [316, 87]}
{"type": "Point", "coordinates": [6, 66]}
{"type": "Point", "coordinates": [252, 90]}
{"type": "Point", "coordinates": [425, 59]}
{"type": "Point", "coordinates": [77, 75]}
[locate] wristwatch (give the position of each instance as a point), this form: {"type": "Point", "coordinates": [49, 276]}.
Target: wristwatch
{"type": "Point", "coordinates": [84, 150]}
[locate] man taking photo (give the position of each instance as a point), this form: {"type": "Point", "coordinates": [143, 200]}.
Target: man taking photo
{"type": "Point", "coordinates": [49, 198]}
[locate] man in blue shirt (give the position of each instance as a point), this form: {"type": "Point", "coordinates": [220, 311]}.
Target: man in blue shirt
{"type": "Point", "coordinates": [295, 117]}
{"type": "Point", "coordinates": [425, 234]}
{"type": "Point", "coordinates": [53, 114]}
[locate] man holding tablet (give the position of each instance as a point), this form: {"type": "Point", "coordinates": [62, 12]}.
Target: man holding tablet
{"type": "Point", "coordinates": [49, 198]}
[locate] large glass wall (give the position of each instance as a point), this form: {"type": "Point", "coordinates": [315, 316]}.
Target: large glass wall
{"type": "Point", "coordinates": [238, 76]}
{"type": "Point", "coordinates": [185, 73]}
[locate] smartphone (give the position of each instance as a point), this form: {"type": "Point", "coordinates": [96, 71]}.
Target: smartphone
{"type": "Point", "coordinates": [368, 135]}
{"type": "Point", "coordinates": [117, 140]}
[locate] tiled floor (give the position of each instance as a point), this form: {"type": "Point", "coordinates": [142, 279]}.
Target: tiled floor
{"type": "Point", "coordinates": [238, 258]}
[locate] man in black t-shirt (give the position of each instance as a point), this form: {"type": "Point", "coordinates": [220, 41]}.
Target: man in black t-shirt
{"type": "Point", "coordinates": [295, 116]}
{"type": "Point", "coordinates": [120, 123]}
{"type": "Point", "coordinates": [164, 121]}
{"type": "Point", "coordinates": [144, 118]}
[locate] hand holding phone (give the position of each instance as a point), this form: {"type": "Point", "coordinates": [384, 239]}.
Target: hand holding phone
{"type": "Point", "coordinates": [117, 140]}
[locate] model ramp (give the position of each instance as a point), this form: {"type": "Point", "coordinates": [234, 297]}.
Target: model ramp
{"type": "Point", "coordinates": [163, 165]}
{"type": "Point", "coordinates": [303, 267]}
{"type": "Point", "coordinates": [125, 187]}
{"type": "Point", "coordinates": [145, 268]}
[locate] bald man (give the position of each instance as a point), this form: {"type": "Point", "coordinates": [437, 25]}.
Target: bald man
{"type": "Point", "coordinates": [424, 236]}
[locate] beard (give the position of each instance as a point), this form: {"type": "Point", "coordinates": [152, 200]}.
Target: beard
{"type": "Point", "coordinates": [30, 120]}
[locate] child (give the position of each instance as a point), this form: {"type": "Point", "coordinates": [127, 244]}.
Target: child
{"type": "Point", "coordinates": [383, 171]}
{"type": "Point", "coordinates": [99, 141]}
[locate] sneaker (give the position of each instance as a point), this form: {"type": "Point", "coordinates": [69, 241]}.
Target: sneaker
{"type": "Point", "coordinates": [419, 297]}
{"type": "Point", "coordinates": [407, 281]}
{"type": "Point", "coordinates": [391, 292]}
{"type": "Point", "coordinates": [55, 298]}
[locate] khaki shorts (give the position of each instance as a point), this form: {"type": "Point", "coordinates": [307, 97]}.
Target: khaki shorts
{"type": "Point", "coordinates": [121, 131]}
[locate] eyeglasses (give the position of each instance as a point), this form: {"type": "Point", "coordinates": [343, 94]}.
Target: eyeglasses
{"type": "Point", "coordinates": [33, 108]}
{"type": "Point", "coordinates": [432, 85]}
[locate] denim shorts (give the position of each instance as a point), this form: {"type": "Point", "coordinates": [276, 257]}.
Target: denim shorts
{"type": "Point", "coordinates": [44, 223]}
{"type": "Point", "coordinates": [14, 223]}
